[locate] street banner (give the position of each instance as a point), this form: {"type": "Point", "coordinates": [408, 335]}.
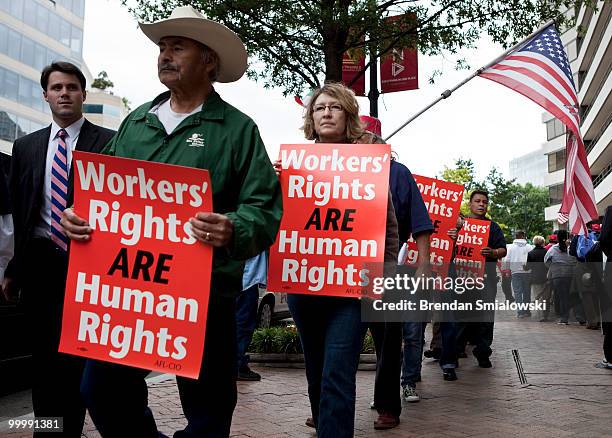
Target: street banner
{"type": "Point", "coordinates": [399, 68]}
{"type": "Point", "coordinates": [443, 202]}
{"type": "Point", "coordinates": [471, 239]}
{"type": "Point", "coordinates": [137, 293]}
{"type": "Point", "coordinates": [332, 235]}
{"type": "Point", "coordinates": [353, 62]}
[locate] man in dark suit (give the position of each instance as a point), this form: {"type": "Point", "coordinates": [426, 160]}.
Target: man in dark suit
{"type": "Point", "coordinates": [40, 189]}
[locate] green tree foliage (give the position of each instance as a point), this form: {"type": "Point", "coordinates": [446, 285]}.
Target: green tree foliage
{"type": "Point", "coordinates": [513, 206]}
{"type": "Point", "coordinates": [463, 173]}
{"type": "Point", "coordinates": [528, 213]}
{"type": "Point", "coordinates": [126, 103]}
{"type": "Point", "coordinates": [298, 44]}
{"type": "Point", "coordinates": [102, 82]}
{"type": "Point", "coordinates": [501, 196]}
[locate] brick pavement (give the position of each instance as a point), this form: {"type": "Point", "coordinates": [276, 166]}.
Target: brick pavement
{"type": "Point", "coordinates": [565, 395]}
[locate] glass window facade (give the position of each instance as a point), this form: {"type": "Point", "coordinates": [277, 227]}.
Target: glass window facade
{"type": "Point", "coordinates": [556, 161]}
{"type": "Point", "coordinates": [48, 18]}
{"type": "Point", "coordinates": [14, 44]}
{"type": "Point", "coordinates": [76, 41]}
{"type": "Point", "coordinates": [49, 22]}
{"type": "Point", "coordinates": [77, 7]}
{"type": "Point", "coordinates": [23, 49]}
{"type": "Point", "coordinates": [554, 128]}
{"type": "Point", "coordinates": [13, 127]}
{"type": "Point", "coordinates": [54, 27]}
{"type": "Point", "coordinates": [10, 85]}
{"type": "Point", "coordinates": [555, 194]}
{"type": "Point", "coordinates": [21, 89]}
{"type": "Point", "coordinates": [94, 108]}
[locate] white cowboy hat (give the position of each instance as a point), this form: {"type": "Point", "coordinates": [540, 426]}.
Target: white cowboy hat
{"type": "Point", "coordinates": [189, 23]}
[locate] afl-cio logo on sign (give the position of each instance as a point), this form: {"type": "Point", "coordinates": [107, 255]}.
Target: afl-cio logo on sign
{"type": "Point", "coordinates": [172, 366]}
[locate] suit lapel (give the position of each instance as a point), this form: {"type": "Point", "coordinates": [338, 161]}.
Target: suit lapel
{"type": "Point", "coordinates": [88, 137]}
{"type": "Point", "coordinates": [39, 157]}
{"type": "Point", "coordinates": [88, 142]}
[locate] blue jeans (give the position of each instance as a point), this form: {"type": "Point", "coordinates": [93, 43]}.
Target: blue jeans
{"type": "Point", "coordinates": [331, 333]}
{"type": "Point", "coordinates": [413, 334]}
{"type": "Point", "coordinates": [246, 320]}
{"type": "Point", "coordinates": [521, 284]}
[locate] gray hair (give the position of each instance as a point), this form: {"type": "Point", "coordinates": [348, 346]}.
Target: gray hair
{"type": "Point", "coordinates": [539, 240]}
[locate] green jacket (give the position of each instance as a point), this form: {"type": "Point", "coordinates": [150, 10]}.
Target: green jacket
{"type": "Point", "coordinates": [245, 188]}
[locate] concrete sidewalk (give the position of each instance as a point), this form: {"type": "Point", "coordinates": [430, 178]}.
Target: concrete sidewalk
{"type": "Point", "coordinates": [565, 395]}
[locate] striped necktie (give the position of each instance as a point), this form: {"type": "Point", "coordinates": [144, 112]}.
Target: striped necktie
{"type": "Point", "coordinates": [59, 189]}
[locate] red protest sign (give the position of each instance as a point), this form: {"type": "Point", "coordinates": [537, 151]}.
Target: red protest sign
{"type": "Point", "coordinates": [353, 63]}
{"type": "Point", "coordinates": [137, 292]}
{"type": "Point", "coordinates": [471, 239]}
{"type": "Point", "coordinates": [443, 202]}
{"type": "Point", "coordinates": [335, 213]}
{"type": "Point", "coordinates": [399, 70]}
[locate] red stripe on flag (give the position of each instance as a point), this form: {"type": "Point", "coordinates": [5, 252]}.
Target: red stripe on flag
{"type": "Point", "coordinates": [561, 79]}
{"type": "Point", "coordinates": [539, 79]}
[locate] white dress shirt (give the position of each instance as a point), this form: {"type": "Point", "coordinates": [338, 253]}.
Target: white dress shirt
{"type": "Point", "coordinates": [43, 229]}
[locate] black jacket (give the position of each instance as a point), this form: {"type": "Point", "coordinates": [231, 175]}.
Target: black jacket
{"type": "Point", "coordinates": [605, 242]}
{"type": "Point", "coordinates": [26, 181]}
{"type": "Point", "coordinates": [605, 237]}
{"type": "Point", "coordinates": [535, 263]}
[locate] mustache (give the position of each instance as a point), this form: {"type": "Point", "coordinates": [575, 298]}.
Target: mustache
{"type": "Point", "coordinates": [167, 66]}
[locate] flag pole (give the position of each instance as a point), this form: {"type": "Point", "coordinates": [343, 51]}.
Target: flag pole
{"type": "Point", "coordinates": [446, 93]}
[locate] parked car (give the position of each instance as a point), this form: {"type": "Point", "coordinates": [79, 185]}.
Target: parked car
{"type": "Point", "coordinates": [272, 306]}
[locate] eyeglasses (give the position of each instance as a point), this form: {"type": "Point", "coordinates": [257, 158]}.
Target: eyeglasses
{"type": "Point", "coordinates": [334, 108]}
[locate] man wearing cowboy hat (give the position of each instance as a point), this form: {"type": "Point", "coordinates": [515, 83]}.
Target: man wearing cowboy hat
{"type": "Point", "coordinates": [191, 125]}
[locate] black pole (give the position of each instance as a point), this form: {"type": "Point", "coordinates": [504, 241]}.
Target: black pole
{"type": "Point", "coordinates": [373, 93]}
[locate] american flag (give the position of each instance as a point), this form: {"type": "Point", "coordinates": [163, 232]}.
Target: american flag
{"type": "Point", "coordinates": [539, 69]}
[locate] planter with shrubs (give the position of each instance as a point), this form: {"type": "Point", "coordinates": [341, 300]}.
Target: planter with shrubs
{"type": "Point", "coordinates": [280, 347]}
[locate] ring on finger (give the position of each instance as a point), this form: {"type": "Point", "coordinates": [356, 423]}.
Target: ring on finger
{"type": "Point", "coordinates": [207, 237]}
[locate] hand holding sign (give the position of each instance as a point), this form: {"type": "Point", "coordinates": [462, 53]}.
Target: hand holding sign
{"type": "Point", "coordinates": [75, 227]}
{"type": "Point", "coordinates": [212, 228]}
{"type": "Point", "coordinates": [488, 252]}
{"type": "Point", "coordinates": [278, 167]}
